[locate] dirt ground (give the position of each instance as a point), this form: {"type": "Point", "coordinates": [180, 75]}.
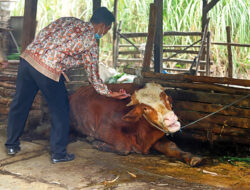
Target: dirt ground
{"type": "Point", "coordinates": [31, 169]}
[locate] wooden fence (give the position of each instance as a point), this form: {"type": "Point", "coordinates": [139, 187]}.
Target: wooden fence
{"type": "Point", "coordinates": [125, 55]}
{"type": "Point", "coordinates": [136, 55]}
{"type": "Point", "coordinates": [197, 96]}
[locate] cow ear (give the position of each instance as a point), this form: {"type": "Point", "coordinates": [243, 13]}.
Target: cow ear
{"type": "Point", "coordinates": [133, 100]}
{"type": "Point", "coordinates": [170, 100]}
{"type": "Point", "coordinates": [134, 115]}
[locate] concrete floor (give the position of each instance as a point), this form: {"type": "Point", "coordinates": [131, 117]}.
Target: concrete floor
{"type": "Point", "coordinates": [31, 169]}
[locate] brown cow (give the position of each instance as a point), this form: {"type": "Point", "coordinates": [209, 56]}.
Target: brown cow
{"type": "Point", "coordinates": [125, 126]}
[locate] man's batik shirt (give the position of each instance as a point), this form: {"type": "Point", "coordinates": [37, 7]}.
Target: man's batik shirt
{"type": "Point", "coordinates": [65, 43]}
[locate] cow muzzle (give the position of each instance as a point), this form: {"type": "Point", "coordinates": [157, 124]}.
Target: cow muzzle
{"type": "Point", "coordinates": [171, 123]}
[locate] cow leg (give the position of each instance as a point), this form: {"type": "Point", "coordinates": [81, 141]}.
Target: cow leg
{"type": "Point", "coordinates": [170, 149]}
{"type": "Point", "coordinates": [100, 145]}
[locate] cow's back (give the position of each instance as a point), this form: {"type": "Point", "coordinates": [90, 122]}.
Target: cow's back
{"type": "Point", "coordinates": [90, 110]}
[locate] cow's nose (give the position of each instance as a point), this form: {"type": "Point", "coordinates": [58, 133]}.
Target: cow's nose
{"type": "Point", "coordinates": [170, 118]}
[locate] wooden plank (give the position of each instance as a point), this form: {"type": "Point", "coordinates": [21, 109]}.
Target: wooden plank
{"type": "Point", "coordinates": [128, 52]}
{"type": "Point", "coordinates": [182, 70]}
{"type": "Point", "coordinates": [7, 85]}
{"type": "Point", "coordinates": [158, 42]}
{"type": "Point", "coordinates": [206, 136]}
{"type": "Point", "coordinates": [229, 51]}
{"type": "Point", "coordinates": [175, 33]}
{"type": "Point", "coordinates": [217, 129]}
{"type": "Point", "coordinates": [200, 86]}
{"type": "Point", "coordinates": [29, 23]}
{"type": "Point", "coordinates": [179, 51]}
{"type": "Point", "coordinates": [169, 33]}
{"type": "Point", "coordinates": [208, 53]}
{"type": "Point", "coordinates": [164, 60]}
{"type": "Point", "coordinates": [196, 46]}
{"type": "Point", "coordinates": [205, 79]}
{"type": "Point", "coordinates": [209, 108]}
{"type": "Point", "coordinates": [208, 97]}
{"type": "Point", "coordinates": [217, 119]}
{"type": "Point", "coordinates": [232, 44]}
{"type": "Point", "coordinates": [167, 46]}
{"type": "Point", "coordinates": [133, 72]}
{"type": "Point", "coordinates": [150, 38]}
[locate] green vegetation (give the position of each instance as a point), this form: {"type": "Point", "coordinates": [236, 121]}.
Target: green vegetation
{"type": "Point", "coordinates": [233, 160]}
{"type": "Point", "coordinates": [13, 56]}
{"type": "Point", "coordinates": [179, 15]}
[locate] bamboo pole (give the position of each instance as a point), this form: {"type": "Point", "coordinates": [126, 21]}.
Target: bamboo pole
{"type": "Point", "coordinates": [150, 38]}
{"type": "Point", "coordinates": [229, 50]}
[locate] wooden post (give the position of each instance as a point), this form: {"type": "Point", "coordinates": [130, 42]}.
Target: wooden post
{"type": "Point", "coordinates": [116, 45]}
{"type": "Point", "coordinates": [229, 50]}
{"type": "Point", "coordinates": [29, 23]}
{"type": "Point", "coordinates": [114, 33]}
{"type": "Point", "coordinates": [208, 53]}
{"type": "Point", "coordinates": [158, 51]}
{"type": "Point", "coordinates": [150, 38]}
{"type": "Point", "coordinates": [204, 15]}
{"type": "Point", "coordinates": [96, 5]}
{"type": "Point", "coordinates": [205, 9]}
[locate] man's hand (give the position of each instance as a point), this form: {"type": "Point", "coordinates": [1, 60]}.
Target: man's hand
{"type": "Point", "coordinates": [119, 95]}
{"type": "Point", "coordinates": [4, 64]}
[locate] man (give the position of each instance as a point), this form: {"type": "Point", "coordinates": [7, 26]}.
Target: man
{"type": "Point", "coordinates": [63, 44]}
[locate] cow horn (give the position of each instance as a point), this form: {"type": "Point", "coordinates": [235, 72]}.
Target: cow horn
{"type": "Point", "coordinates": [165, 88]}
{"type": "Point", "coordinates": [133, 100]}
{"type": "Point", "coordinates": [130, 103]}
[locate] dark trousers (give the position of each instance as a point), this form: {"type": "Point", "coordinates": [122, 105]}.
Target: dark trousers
{"type": "Point", "coordinates": [29, 81]}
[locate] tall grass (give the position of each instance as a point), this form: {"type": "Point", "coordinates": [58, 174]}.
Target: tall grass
{"type": "Point", "coordinates": [178, 15]}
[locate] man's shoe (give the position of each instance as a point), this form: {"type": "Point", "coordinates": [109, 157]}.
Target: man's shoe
{"type": "Point", "coordinates": [12, 151]}
{"type": "Point", "coordinates": [66, 158]}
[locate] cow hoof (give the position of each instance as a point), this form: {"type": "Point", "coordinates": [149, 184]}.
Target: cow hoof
{"type": "Point", "coordinates": [196, 161]}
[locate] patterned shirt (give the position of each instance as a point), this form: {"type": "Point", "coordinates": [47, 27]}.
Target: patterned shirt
{"type": "Point", "coordinates": [65, 43]}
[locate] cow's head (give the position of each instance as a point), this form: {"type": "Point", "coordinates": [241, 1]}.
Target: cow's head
{"type": "Point", "coordinates": [154, 104]}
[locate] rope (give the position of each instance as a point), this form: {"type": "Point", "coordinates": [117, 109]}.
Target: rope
{"type": "Point", "coordinates": [236, 101]}
{"type": "Point", "coordinates": [166, 132]}
{"type": "Point", "coordinates": [223, 108]}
